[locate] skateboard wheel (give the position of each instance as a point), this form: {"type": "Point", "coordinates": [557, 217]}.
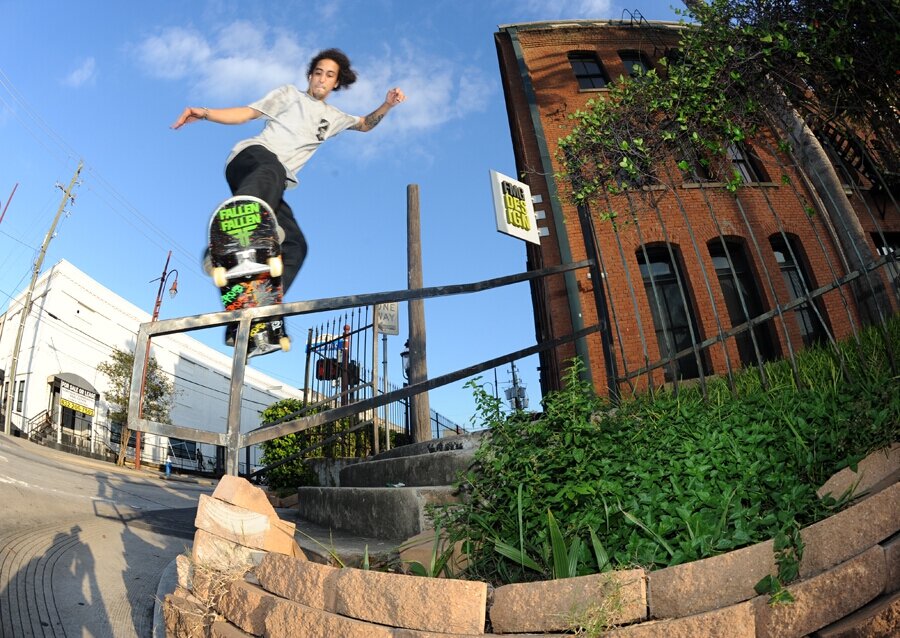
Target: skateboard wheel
{"type": "Point", "coordinates": [219, 277]}
{"type": "Point", "coordinates": [285, 343]}
{"type": "Point", "coordinates": [276, 266]}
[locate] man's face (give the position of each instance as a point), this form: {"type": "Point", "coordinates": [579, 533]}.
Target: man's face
{"type": "Point", "coordinates": [324, 79]}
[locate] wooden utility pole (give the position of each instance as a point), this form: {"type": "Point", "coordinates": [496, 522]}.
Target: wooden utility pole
{"type": "Point", "coordinates": [26, 307]}
{"type": "Point", "coordinates": [420, 409]}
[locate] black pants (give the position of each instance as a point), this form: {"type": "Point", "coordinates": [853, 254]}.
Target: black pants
{"type": "Point", "coordinates": [256, 171]}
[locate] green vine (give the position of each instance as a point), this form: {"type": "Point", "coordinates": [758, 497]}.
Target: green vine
{"type": "Point", "coordinates": [739, 61]}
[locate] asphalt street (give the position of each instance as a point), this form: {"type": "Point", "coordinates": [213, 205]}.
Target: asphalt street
{"type": "Point", "coordinates": [83, 543]}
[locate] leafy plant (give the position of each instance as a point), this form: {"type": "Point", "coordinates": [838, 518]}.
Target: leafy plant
{"type": "Point", "coordinates": [737, 63]}
{"type": "Point", "coordinates": [295, 472]}
{"type": "Point", "coordinates": [668, 478]}
{"type": "Point", "coordinates": [439, 562]}
{"type": "Point", "coordinates": [159, 391]}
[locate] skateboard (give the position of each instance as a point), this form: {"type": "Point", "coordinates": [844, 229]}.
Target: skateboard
{"type": "Point", "coordinates": [245, 264]}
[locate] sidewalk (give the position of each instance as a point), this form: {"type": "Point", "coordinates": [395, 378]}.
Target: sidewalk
{"type": "Point", "coordinates": [146, 471]}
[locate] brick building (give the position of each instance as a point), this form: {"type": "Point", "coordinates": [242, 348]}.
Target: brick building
{"type": "Point", "coordinates": [696, 281]}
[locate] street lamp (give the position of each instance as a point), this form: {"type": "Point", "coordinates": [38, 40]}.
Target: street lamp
{"type": "Point", "coordinates": [404, 360]}
{"type": "Point", "coordinates": [166, 273]}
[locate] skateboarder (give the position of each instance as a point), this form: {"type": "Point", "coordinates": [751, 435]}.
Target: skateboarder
{"type": "Point", "coordinates": [297, 122]}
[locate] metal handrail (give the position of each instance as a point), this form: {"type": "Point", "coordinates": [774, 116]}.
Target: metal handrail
{"type": "Point", "coordinates": [232, 439]}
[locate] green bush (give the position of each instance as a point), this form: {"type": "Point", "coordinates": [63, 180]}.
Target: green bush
{"type": "Point", "coordinates": [295, 473]}
{"type": "Point", "coordinates": [668, 478]}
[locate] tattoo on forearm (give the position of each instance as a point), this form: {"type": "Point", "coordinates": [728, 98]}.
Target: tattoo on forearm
{"type": "Point", "coordinates": [372, 119]}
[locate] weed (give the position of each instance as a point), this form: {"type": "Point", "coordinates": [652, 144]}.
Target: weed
{"type": "Point", "coordinates": [599, 615]}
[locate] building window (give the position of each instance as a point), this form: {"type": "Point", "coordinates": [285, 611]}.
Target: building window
{"type": "Point", "coordinates": [115, 434]}
{"type": "Point", "coordinates": [670, 306]}
{"type": "Point", "coordinates": [20, 396]}
{"type": "Point", "coordinates": [635, 63]}
{"type": "Point", "coordinates": [746, 163]}
{"type": "Point", "coordinates": [694, 168]}
{"type": "Point", "coordinates": [742, 299]}
{"type": "Point", "coordinates": [588, 70]}
{"type": "Point", "coordinates": [182, 449]}
{"type": "Point", "coordinates": [796, 278]}
{"type": "Point", "coordinates": [888, 244]}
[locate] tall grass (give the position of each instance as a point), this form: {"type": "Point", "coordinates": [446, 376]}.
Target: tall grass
{"type": "Point", "coordinates": [668, 478]}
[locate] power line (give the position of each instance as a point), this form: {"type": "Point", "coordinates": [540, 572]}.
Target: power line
{"type": "Point", "coordinates": [42, 132]}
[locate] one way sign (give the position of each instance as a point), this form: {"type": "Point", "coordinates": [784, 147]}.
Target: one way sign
{"type": "Point", "coordinates": [388, 318]}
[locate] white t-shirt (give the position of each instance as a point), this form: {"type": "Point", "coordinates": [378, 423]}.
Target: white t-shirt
{"type": "Point", "coordinates": [296, 124]}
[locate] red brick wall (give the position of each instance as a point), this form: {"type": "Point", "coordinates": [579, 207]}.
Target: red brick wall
{"type": "Point", "coordinates": [681, 216]}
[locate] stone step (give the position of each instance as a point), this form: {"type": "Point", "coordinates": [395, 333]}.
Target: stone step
{"type": "Point", "coordinates": [327, 546]}
{"type": "Point", "coordinates": [438, 468]}
{"type": "Point", "coordinates": [469, 441]}
{"type": "Point", "coordinates": [377, 512]}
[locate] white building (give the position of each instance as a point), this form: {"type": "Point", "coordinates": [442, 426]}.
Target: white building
{"type": "Point", "coordinates": [74, 325]}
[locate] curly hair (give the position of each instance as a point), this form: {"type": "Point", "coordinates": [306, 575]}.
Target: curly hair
{"type": "Point", "coordinates": [346, 75]}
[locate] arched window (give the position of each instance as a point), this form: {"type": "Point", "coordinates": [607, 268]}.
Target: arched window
{"type": "Point", "coordinates": [636, 63]}
{"type": "Point", "coordinates": [742, 299]}
{"type": "Point", "coordinates": [673, 318]}
{"type": "Point", "coordinates": [588, 70]}
{"type": "Point", "coordinates": [746, 162]}
{"type": "Point", "coordinates": [790, 258]}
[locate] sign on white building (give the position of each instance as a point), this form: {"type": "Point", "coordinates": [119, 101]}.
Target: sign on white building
{"type": "Point", "coordinates": [75, 398]}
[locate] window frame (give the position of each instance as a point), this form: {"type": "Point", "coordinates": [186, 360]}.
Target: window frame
{"type": "Point", "coordinates": [639, 58]}
{"type": "Point", "coordinates": [796, 275]}
{"type": "Point", "coordinates": [670, 337]}
{"type": "Point", "coordinates": [20, 396]}
{"type": "Point", "coordinates": [697, 172]}
{"type": "Point", "coordinates": [744, 160]}
{"type": "Point", "coordinates": [585, 57]}
{"type": "Point", "coordinates": [744, 285]}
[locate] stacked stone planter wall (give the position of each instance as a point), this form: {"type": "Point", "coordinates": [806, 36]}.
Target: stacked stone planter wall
{"type": "Point", "coordinates": [849, 586]}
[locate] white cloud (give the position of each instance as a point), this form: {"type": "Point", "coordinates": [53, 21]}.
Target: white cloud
{"type": "Point", "coordinates": [174, 54]}
{"type": "Point", "coordinates": [437, 90]}
{"type": "Point", "coordinates": [85, 74]}
{"type": "Point", "coordinates": [238, 63]}
{"type": "Point", "coordinates": [242, 61]}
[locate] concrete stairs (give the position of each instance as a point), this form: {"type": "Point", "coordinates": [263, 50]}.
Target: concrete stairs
{"type": "Point", "coordinates": [381, 502]}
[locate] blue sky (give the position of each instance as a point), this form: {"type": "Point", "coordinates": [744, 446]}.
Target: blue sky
{"type": "Point", "coordinates": [102, 82]}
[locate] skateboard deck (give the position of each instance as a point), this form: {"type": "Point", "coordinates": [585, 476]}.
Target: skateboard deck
{"type": "Point", "coordinates": [245, 255]}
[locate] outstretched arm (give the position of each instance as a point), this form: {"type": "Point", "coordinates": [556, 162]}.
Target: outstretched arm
{"type": "Point", "coordinates": [232, 115]}
{"type": "Point", "coordinates": [367, 123]}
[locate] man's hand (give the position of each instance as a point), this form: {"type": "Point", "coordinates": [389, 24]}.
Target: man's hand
{"type": "Point", "coordinates": [190, 114]}
{"type": "Point", "coordinates": [394, 97]}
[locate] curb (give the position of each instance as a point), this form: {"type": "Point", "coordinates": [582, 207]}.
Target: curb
{"type": "Point", "coordinates": [167, 583]}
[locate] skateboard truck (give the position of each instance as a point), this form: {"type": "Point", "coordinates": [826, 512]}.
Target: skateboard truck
{"type": "Point", "coordinates": [247, 266]}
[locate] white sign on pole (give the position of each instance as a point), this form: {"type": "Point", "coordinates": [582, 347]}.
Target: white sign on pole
{"type": "Point", "coordinates": [513, 208]}
{"type": "Point", "coordinates": [388, 317]}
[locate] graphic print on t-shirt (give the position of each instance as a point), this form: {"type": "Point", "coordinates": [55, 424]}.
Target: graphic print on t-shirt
{"type": "Point", "coordinates": [322, 130]}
